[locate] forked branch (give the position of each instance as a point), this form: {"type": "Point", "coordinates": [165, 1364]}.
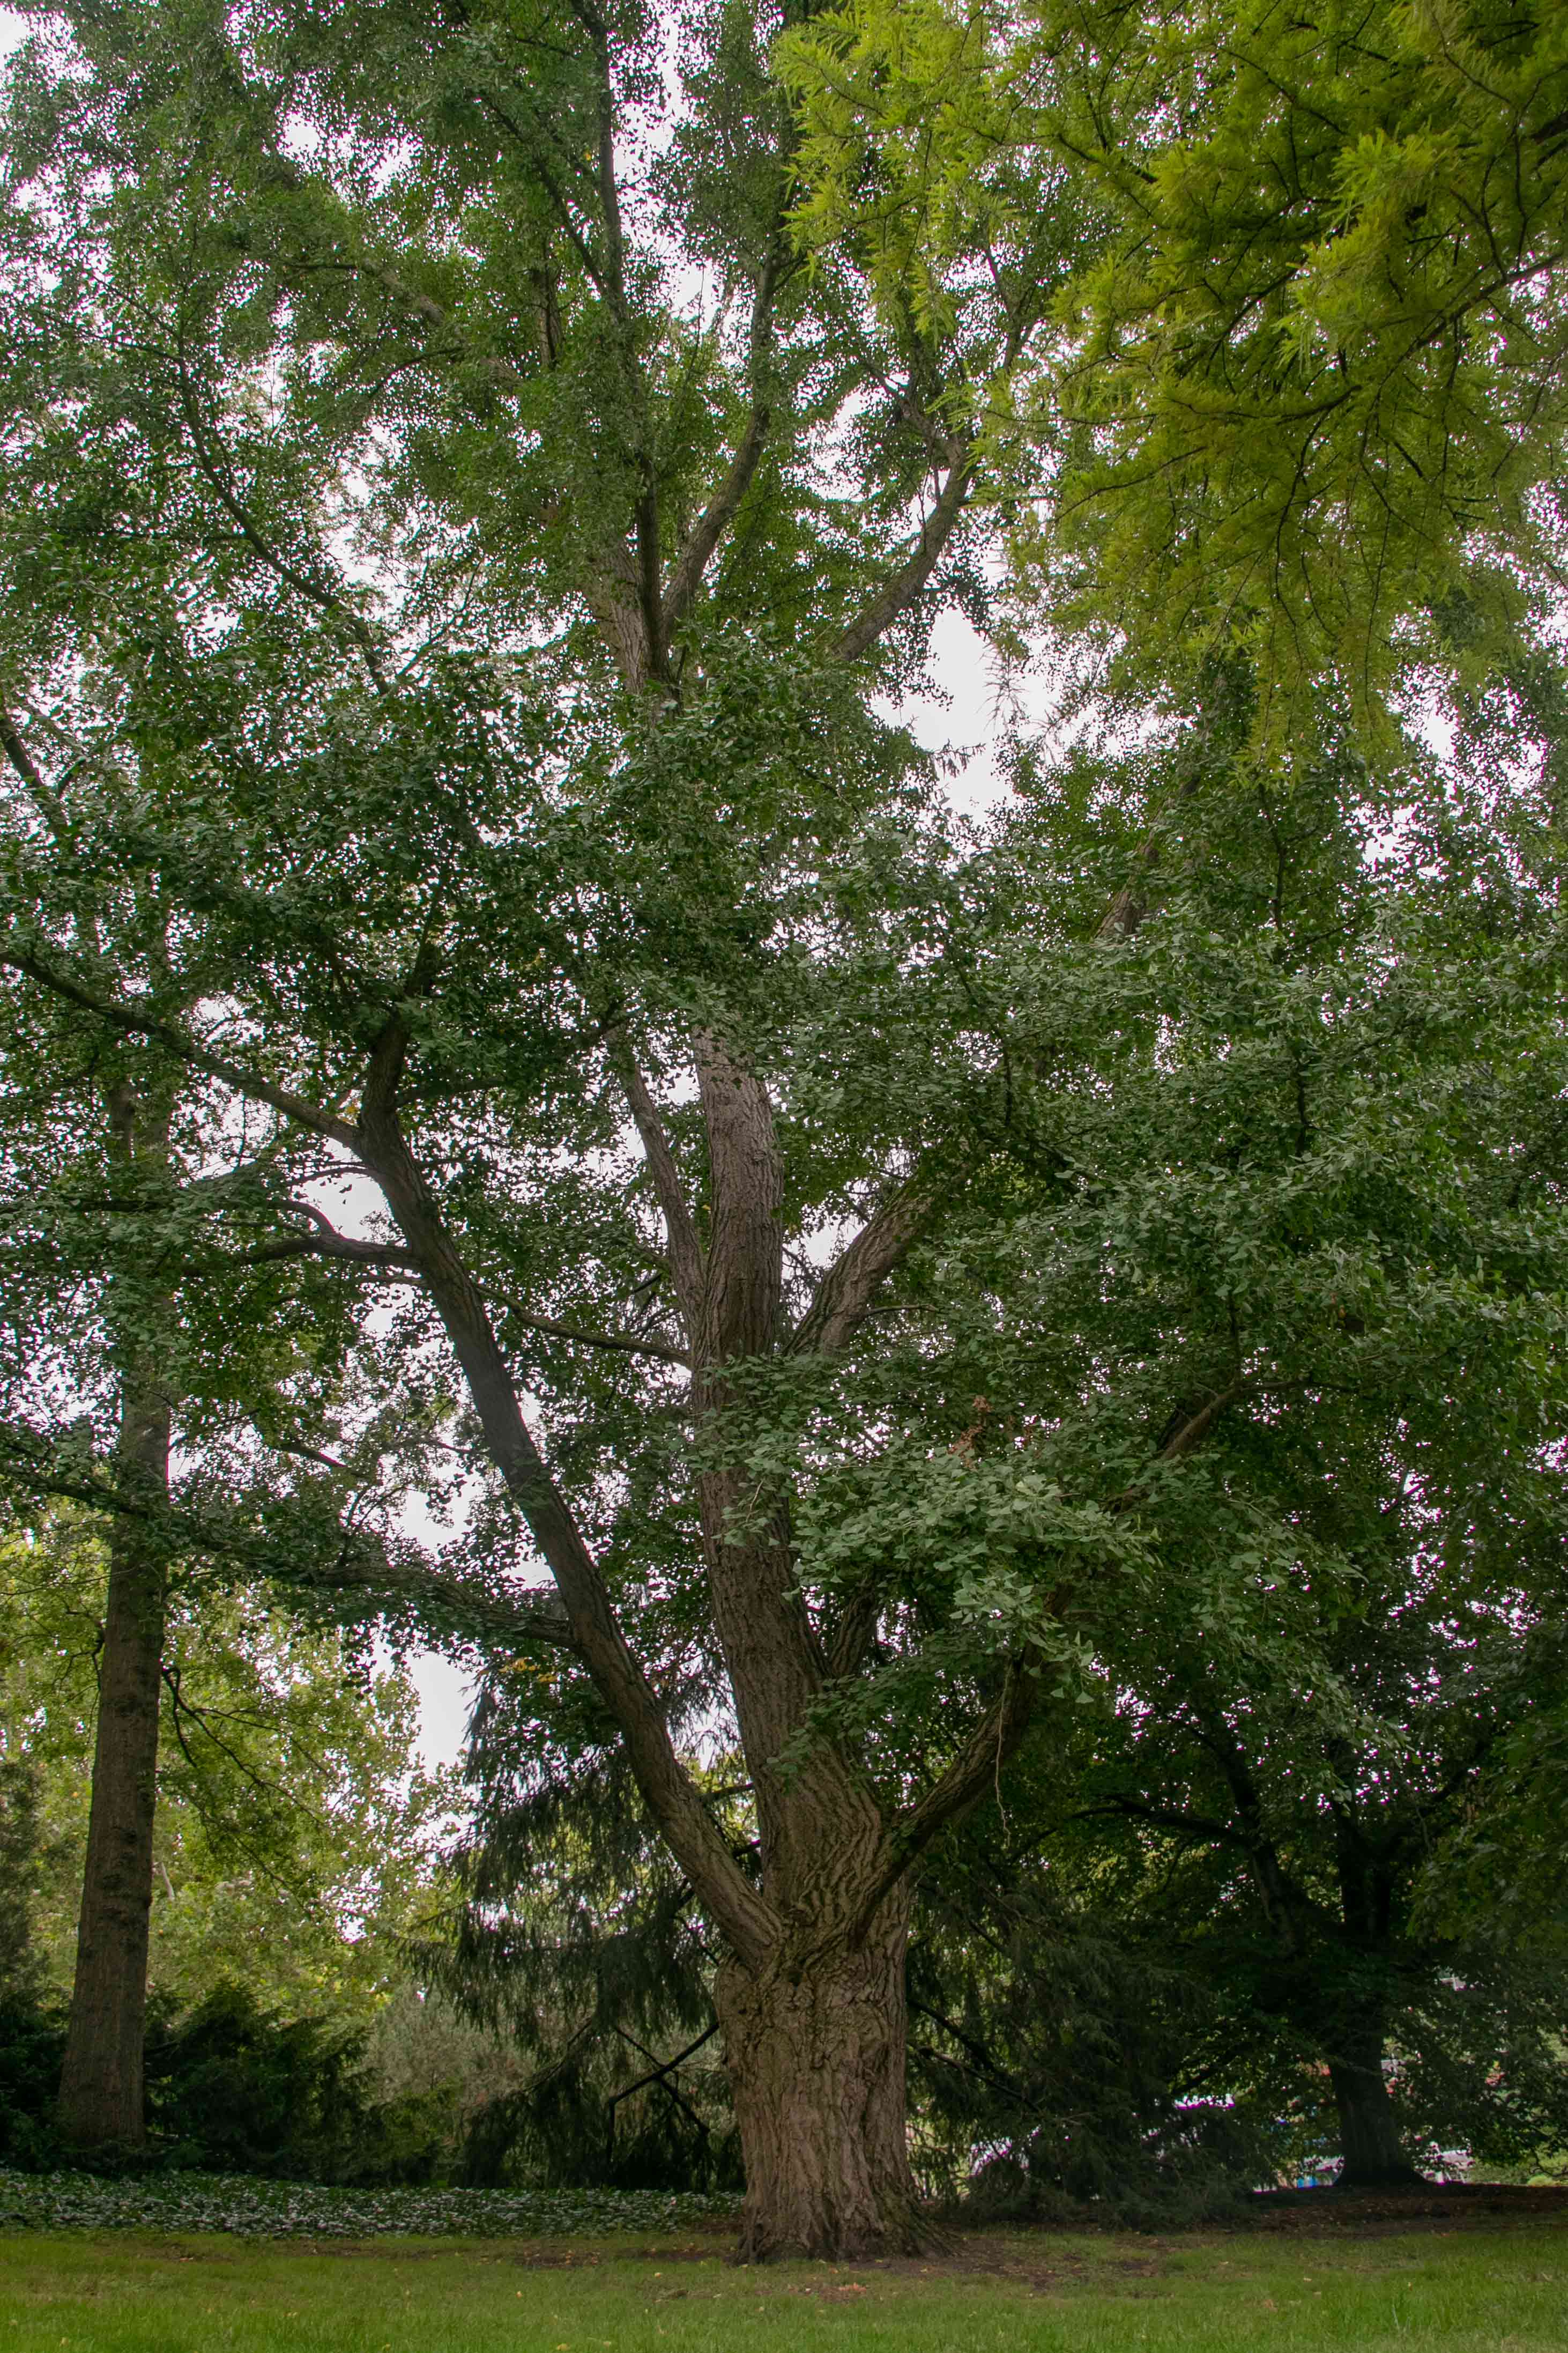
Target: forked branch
{"type": "Point", "coordinates": [744, 1914]}
{"type": "Point", "coordinates": [906, 585]}
{"type": "Point", "coordinates": [129, 1022]}
{"type": "Point", "coordinates": [687, 1265]}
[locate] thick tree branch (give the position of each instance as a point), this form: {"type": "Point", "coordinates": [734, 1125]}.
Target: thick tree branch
{"type": "Point", "coordinates": [714, 520]}
{"type": "Point", "coordinates": [1194, 1431]}
{"type": "Point", "coordinates": [975, 1770]}
{"type": "Point", "coordinates": [722, 507]}
{"type": "Point", "coordinates": [1191, 1433]}
{"type": "Point", "coordinates": [49, 803]}
{"type": "Point", "coordinates": [847, 1646]}
{"type": "Point", "coordinates": [129, 1023]}
{"type": "Point", "coordinates": [326, 1241]}
{"type": "Point", "coordinates": [746, 1917]}
{"type": "Point", "coordinates": [898, 593]}
{"type": "Point", "coordinates": [844, 1296]}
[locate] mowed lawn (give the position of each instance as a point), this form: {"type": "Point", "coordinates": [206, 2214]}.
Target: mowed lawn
{"type": "Point", "coordinates": [1497, 2290]}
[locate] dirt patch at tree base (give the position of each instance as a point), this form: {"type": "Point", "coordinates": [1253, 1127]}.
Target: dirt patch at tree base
{"type": "Point", "coordinates": [1364, 2213]}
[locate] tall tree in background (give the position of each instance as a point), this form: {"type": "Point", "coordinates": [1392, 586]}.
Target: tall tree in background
{"type": "Point", "coordinates": [101, 2088]}
{"type": "Point", "coordinates": [128, 1332]}
{"type": "Point", "coordinates": [293, 1839]}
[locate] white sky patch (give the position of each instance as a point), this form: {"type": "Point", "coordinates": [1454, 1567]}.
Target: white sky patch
{"type": "Point", "coordinates": [445, 1695]}
{"type": "Point", "coordinates": [968, 720]}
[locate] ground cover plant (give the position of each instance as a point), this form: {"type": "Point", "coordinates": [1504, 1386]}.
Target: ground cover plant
{"type": "Point", "coordinates": [249, 2208]}
{"type": "Point", "coordinates": [1466, 2291]}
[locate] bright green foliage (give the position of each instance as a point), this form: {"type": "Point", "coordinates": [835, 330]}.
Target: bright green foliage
{"type": "Point", "coordinates": [1306, 392]}
{"type": "Point", "coordinates": [294, 1830]}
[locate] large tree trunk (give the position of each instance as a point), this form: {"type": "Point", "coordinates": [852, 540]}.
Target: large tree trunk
{"type": "Point", "coordinates": [814, 2046]}
{"type": "Point", "coordinates": [1373, 2157]}
{"type": "Point", "coordinates": [811, 1996]}
{"type": "Point", "coordinates": [814, 2029]}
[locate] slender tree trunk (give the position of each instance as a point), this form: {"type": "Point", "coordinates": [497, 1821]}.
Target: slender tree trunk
{"type": "Point", "coordinates": [100, 2102]}
{"type": "Point", "coordinates": [814, 2046]}
{"type": "Point", "coordinates": [1373, 2157]}
{"type": "Point", "coordinates": [102, 2105]}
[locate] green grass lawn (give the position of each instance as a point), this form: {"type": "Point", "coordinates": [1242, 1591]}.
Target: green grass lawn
{"type": "Point", "coordinates": [1496, 2290]}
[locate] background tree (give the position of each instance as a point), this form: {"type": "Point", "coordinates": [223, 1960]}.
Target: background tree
{"type": "Point", "coordinates": [295, 1850]}
{"type": "Point", "coordinates": [1306, 392]}
{"type": "Point", "coordinates": [165, 1285]}
{"type": "Point", "coordinates": [1310, 1932]}
{"type": "Point", "coordinates": [581, 1942]}
{"type": "Point", "coordinates": [297, 1831]}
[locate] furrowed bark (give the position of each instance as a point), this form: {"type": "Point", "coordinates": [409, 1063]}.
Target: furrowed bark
{"type": "Point", "coordinates": [818, 1820]}
{"type": "Point", "coordinates": [815, 2045]}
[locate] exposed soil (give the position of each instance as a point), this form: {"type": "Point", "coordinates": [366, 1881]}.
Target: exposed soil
{"type": "Point", "coordinates": [1371, 2213]}
{"type": "Point", "coordinates": [1017, 2252]}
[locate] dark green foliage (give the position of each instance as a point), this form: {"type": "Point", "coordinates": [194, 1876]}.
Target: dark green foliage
{"type": "Point", "coordinates": [579, 1940]}
{"type": "Point", "coordinates": [31, 2044]}
{"type": "Point", "coordinates": [32, 2028]}
{"type": "Point", "coordinates": [231, 2090]}
{"type": "Point", "coordinates": [1056, 2057]}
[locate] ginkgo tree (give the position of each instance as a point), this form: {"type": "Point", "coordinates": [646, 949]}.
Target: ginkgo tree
{"type": "Point", "coordinates": [458, 543]}
{"type": "Point", "coordinates": [452, 522]}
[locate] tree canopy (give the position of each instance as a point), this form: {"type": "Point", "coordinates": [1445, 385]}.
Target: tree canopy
{"type": "Point", "coordinates": [1302, 389]}
{"type": "Point", "coordinates": [858, 1289]}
